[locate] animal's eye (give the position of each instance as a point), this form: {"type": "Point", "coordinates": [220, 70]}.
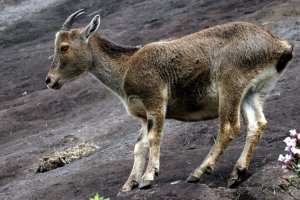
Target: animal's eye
{"type": "Point", "coordinates": [64, 47]}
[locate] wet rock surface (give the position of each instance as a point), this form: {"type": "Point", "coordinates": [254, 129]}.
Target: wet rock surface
{"type": "Point", "coordinates": [35, 121]}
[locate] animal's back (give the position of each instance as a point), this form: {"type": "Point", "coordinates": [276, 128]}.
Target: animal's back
{"type": "Point", "coordinates": [240, 44]}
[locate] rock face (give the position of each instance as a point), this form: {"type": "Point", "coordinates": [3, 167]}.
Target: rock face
{"type": "Point", "coordinates": [35, 121]}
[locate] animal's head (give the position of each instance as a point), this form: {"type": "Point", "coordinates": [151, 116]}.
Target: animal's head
{"type": "Point", "coordinates": [72, 55]}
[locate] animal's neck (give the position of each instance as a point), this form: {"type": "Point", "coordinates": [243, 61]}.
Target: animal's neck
{"type": "Point", "coordinates": [109, 62]}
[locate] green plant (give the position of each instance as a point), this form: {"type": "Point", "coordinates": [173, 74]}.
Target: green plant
{"type": "Point", "coordinates": [291, 163]}
{"type": "Point", "coordinates": [97, 197]}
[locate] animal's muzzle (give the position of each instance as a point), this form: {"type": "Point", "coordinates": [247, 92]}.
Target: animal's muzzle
{"type": "Point", "coordinates": [53, 84]}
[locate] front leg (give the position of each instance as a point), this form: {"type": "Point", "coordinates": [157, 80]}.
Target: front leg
{"type": "Point", "coordinates": [154, 125]}
{"type": "Point", "coordinates": [148, 100]}
{"type": "Point", "coordinates": [140, 153]}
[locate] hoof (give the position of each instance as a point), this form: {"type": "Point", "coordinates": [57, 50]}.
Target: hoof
{"type": "Point", "coordinates": [192, 179]}
{"type": "Point", "coordinates": [144, 184]}
{"type": "Point", "coordinates": [233, 182]}
{"type": "Point", "coordinates": [237, 179]}
{"type": "Point", "coordinates": [130, 186]}
{"type": "Point", "coordinates": [156, 172]}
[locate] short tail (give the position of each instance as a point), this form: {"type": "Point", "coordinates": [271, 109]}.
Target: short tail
{"type": "Point", "coordinates": [286, 56]}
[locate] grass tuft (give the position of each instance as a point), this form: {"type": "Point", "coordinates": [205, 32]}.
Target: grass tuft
{"type": "Point", "coordinates": [60, 159]}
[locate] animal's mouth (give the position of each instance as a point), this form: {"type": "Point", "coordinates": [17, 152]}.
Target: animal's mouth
{"type": "Point", "coordinates": [55, 85]}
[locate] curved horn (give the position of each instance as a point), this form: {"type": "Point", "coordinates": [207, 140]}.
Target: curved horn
{"type": "Point", "coordinates": [70, 20]}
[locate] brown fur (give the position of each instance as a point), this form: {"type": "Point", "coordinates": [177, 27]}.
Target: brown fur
{"type": "Point", "coordinates": [223, 71]}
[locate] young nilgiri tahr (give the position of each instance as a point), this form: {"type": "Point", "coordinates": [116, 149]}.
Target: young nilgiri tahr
{"type": "Point", "coordinates": [225, 71]}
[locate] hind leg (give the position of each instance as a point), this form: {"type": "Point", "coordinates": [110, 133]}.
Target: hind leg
{"type": "Point", "coordinates": [229, 112]}
{"type": "Point", "coordinates": [252, 112]}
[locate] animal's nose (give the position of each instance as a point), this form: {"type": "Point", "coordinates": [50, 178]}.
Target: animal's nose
{"type": "Point", "coordinates": [48, 80]}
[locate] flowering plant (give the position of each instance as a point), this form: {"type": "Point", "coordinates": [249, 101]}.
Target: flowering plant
{"type": "Point", "coordinates": [291, 162]}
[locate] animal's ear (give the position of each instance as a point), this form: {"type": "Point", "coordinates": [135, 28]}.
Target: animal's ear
{"type": "Point", "coordinates": [92, 27]}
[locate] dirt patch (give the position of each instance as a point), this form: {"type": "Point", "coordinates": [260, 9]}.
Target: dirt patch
{"type": "Point", "coordinates": [61, 158]}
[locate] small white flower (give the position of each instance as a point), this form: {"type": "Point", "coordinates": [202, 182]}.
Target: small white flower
{"type": "Point", "coordinates": [295, 150]}
{"type": "Point", "coordinates": [281, 158]}
{"type": "Point", "coordinates": [293, 133]}
{"type": "Point", "coordinates": [290, 142]}
{"type": "Point", "coordinates": [287, 139]}
{"type": "Point", "coordinates": [287, 149]}
{"type": "Point", "coordinates": [288, 158]}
